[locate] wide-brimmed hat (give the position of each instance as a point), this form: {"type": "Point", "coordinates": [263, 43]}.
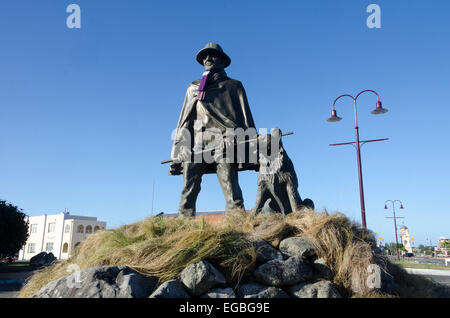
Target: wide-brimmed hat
{"type": "Point", "coordinates": [213, 47]}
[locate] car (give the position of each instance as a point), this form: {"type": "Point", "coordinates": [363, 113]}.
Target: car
{"type": "Point", "coordinates": [408, 255]}
{"type": "Point", "coordinates": [8, 259]}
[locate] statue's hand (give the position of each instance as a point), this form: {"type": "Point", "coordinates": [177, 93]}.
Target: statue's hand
{"type": "Point", "coordinates": [175, 168]}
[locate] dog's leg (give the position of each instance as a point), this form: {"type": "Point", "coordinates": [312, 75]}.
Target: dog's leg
{"type": "Point", "coordinates": [280, 204]}
{"type": "Point", "coordinates": [294, 197]}
{"type": "Point", "coordinates": [261, 197]}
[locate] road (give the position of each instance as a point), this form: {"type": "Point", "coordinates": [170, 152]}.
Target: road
{"type": "Point", "coordinates": [9, 290]}
{"type": "Point", "coordinates": [439, 276]}
{"type": "Point", "coordinates": [429, 260]}
{"type": "Point", "coordinates": [11, 283]}
{"type": "Point", "coordinates": [421, 260]}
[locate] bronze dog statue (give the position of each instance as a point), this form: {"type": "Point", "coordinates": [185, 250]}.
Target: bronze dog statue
{"type": "Point", "coordinates": [277, 180]}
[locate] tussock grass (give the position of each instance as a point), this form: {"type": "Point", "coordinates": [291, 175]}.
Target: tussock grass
{"type": "Point", "coordinates": [345, 246]}
{"type": "Point", "coordinates": [164, 247]}
{"type": "Point", "coordinates": [158, 247]}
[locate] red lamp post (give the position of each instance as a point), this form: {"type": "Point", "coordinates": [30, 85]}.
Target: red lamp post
{"type": "Point", "coordinates": [334, 118]}
{"type": "Point", "coordinates": [395, 220]}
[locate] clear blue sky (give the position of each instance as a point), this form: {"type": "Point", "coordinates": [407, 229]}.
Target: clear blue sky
{"type": "Point", "coordinates": [86, 115]}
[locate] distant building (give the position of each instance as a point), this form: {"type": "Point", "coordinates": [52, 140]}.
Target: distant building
{"type": "Point", "coordinates": [441, 241]}
{"type": "Point", "coordinates": [442, 250]}
{"type": "Point", "coordinates": [406, 240]}
{"type": "Point", "coordinates": [58, 233]}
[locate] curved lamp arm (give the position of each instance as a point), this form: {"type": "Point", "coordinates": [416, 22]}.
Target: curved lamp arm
{"type": "Point", "coordinates": [345, 95]}
{"type": "Point", "coordinates": [378, 110]}
{"type": "Point", "coordinates": [368, 90]}
{"type": "Point", "coordinates": [393, 203]}
{"type": "Point", "coordinates": [354, 102]}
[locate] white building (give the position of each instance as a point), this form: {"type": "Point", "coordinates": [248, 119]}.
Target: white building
{"type": "Point", "coordinates": [58, 233]}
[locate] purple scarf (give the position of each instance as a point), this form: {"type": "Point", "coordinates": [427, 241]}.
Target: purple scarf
{"type": "Point", "coordinates": [201, 89]}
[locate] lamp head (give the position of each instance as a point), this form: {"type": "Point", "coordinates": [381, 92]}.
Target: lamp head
{"type": "Point", "coordinates": [385, 207]}
{"type": "Point", "coordinates": [379, 109]}
{"type": "Point", "coordinates": [401, 206]}
{"type": "Point", "coordinates": [334, 117]}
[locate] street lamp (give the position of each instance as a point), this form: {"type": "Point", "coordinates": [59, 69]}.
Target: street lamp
{"type": "Point", "coordinates": [395, 220]}
{"type": "Point", "coordinates": [335, 118]}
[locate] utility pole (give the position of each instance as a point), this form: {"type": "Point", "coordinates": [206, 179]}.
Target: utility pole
{"type": "Point", "coordinates": [335, 118]}
{"type": "Point", "coordinates": [395, 221]}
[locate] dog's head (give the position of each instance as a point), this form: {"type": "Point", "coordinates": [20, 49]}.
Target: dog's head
{"type": "Point", "coordinates": [270, 150]}
{"type": "Point", "coordinates": [269, 144]}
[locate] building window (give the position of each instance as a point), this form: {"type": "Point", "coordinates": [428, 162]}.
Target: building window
{"type": "Point", "coordinates": [67, 228]}
{"type": "Point", "coordinates": [80, 229]}
{"type": "Point", "coordinates": [33, 228]}
{"type": "Point", "coordinates": [97, 228]}
{"type": "Point", "coordinates": [51, 227]}
{"type": "Point", "coordinates": [88, 229]}
{"type": "Point", "coordinates": [49, 247]}
{"type": "Point", "coordinates": [31, 247]}
{"type": "Point", "coordinates": [65, 248]}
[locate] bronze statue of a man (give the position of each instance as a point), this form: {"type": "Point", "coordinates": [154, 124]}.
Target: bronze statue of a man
{"type": "Point", "coordinates": [214, 103]}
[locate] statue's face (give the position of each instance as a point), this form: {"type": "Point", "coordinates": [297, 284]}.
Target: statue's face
{"type": "Point", "coordinates": [213, 61]}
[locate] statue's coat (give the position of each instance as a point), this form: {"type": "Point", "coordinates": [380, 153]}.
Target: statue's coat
{"type": "Point", "coordinates": [225, 102]}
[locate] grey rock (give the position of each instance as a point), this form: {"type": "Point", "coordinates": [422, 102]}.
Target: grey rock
{"type": "Point", "coordinates": [266, 252]}
{"type": "Point", "coordinates": [100, 282]}
{"type": "Point", "coordinates": [279, 273]}
{"type": "Point", "coordinates": [320, 289]}
{"type": "Point", "coordinates": [38, 260]}
{"type": "Point", "coordinates": [295, 246]}
{"type": "Point", "coordinates": [49, 259]}
{"type": "Point", "coordinates": [253, 290]}
{"type": "Point", "coordinates": [42, 259]}
{"type": "Point", "coordinates": [321, 270]}
{"type": "Point", "coordinates": [220, 293]}
{"type": "Point", "coordinates": [134, 285]}
{"type": "Point", "coordinates": [200, 277]}
{"type": "Point", "coordinates": [170, 289]}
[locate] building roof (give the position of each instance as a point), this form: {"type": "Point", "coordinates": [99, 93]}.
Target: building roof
{"type": "Point", "coordinates": [79, 217]}
{"type": "Point", "coordinates": [68, 216]}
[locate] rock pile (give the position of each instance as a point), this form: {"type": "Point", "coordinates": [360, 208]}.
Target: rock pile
{"type": "Point", "coordinates": [100, 282]}
{"type": "Point", "coordinates": [42, 259]}
{"type": "Point", "coordinates": [291, 271]}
